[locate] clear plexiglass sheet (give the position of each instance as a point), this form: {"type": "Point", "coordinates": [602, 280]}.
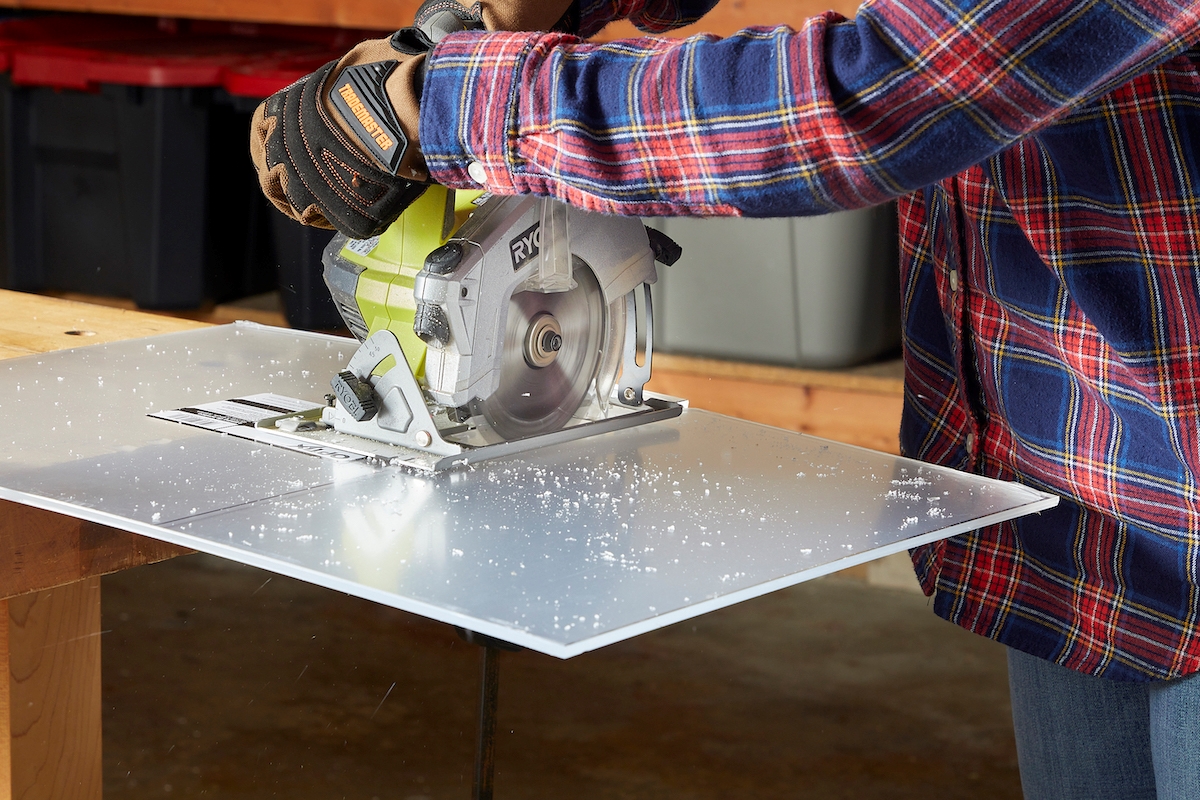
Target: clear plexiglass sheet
{"type": "Point", "coordinates": [562, 550]}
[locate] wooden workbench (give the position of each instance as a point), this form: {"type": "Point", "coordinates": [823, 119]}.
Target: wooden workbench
{"type": "Point", "coordinates": [729, 16]}
{"type": "Point", "coordinates": [50, 568]}
{"type": "Point", "coordinates": [50, 565]}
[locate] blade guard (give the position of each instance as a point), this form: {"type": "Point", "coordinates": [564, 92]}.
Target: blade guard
{"type": "Point", "coordinates": [494, 253]}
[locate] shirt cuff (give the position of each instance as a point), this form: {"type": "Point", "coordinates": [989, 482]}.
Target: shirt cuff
{"type": "Point", "coordinates": [470, 105]}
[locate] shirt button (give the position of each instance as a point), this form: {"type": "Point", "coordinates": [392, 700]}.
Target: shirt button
{"type": "Point", "coordinates": [477, 172]}
{"type": "Point", "coordinates": [970, 443]}
{"type": "Point", "coordinates": [953, 278]}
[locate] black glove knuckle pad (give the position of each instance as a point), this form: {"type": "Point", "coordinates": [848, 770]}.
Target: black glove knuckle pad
{"type": "Point", "coordinates": [354, 194]}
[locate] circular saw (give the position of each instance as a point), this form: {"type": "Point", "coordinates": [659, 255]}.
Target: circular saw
{"type": "Point", "coordinates": [492, 324]}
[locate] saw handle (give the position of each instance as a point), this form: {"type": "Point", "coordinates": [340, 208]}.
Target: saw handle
{"type": "Point", "coordinates": [666, 250]}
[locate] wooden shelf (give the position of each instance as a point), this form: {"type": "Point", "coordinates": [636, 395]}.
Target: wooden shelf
{"type": "Point", "coordinates": [858, 406]}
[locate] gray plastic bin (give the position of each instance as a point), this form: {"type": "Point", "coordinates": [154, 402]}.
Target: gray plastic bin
{"type": "Point", "coordinates": [805, 292]}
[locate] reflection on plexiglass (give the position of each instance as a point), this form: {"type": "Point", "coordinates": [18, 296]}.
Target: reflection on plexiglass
{"type": "Point", "coordinates": [387, 535]}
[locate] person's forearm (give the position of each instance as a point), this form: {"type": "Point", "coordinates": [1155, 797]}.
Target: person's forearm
{"type": "Point", "coordinates": [774, 122]}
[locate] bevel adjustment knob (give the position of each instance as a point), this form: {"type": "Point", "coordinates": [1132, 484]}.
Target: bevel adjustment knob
{"type": "Point", "coordinates": [356, 395]}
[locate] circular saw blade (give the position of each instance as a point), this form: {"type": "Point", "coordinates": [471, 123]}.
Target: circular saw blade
{"type": "Point", "coordinates": [538, 399]}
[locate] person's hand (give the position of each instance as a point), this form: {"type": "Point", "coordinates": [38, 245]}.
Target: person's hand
{"type": "Point", "coordinates": [437, 18]}
{"type": "Point", "coordinates": [338, 148]}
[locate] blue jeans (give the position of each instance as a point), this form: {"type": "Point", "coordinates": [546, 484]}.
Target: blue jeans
{"type": "Point", "coordinates": [1085, 738]}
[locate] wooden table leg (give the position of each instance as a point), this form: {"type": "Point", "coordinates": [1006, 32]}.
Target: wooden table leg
{"type": "Point", "coordinates": [50, 651]}
{"type": "Point", "coordinates": [5, 714]}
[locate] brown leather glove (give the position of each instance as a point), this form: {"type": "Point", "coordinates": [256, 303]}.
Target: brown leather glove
{"type": "Point", "coordinates": [440, 17]}
{"type": "Point", "coordinates": [338, 148]}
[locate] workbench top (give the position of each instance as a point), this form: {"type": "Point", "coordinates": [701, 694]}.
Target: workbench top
{"type": "Point", "coordinates": [40, 550]}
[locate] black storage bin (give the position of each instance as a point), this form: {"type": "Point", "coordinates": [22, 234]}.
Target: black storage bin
{"type": "Point", "coordinates": [126, 168]}
{"type": "Point", "coordinates": [108, 194]}
{"type": "Point", "coordinates": [238, 254]}
{"type": "Point", "coordinates": [306, 300]}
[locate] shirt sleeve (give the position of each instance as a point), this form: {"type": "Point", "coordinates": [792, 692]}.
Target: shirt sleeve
{"type": "Point", "coordinates": [652, 16]}
{"type": "Point", "coordinates": [771, 121]}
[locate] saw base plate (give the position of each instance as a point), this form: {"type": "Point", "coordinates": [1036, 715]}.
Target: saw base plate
{"type": "Point", "coordinates": [477, 448]}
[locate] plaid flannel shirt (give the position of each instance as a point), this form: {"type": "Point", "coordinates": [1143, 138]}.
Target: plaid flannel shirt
{"type": "Point", "coordinates": [1043, 153]}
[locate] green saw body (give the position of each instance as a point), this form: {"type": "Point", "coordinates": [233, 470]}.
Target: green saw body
{"type": "Point", "coordinates": [383, 294]}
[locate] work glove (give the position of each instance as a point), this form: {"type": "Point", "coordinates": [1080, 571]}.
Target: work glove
{"type": "Point", "coordinates": [338, 148]}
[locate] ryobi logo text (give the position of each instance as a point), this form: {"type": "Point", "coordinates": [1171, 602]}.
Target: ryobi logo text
{"type": "Point", "coordinates": [526, 246]}
{"type": "Point", "coordinates": [373, 128]}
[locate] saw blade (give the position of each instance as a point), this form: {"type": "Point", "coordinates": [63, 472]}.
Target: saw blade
{"type": "Point", "coordinates": [551, 354]}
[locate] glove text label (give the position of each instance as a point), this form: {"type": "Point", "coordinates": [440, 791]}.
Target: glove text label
{"type": "Point", "coordinates": [360, 112]}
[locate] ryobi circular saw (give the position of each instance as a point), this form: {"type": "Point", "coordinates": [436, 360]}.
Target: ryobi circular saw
{"type": "Point", "coordinates": [494, 324]}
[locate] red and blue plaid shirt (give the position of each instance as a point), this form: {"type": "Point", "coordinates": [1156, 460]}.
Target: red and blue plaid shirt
{"type": "Point", "coordinates": [1047, 157]}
